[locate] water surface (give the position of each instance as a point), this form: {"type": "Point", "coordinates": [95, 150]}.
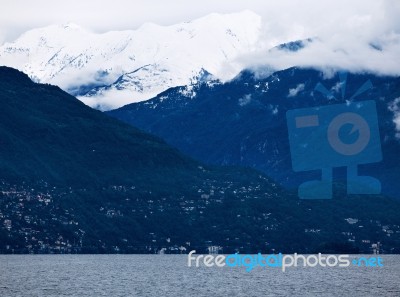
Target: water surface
{"type": "Point", "coordinates": [169, 275]}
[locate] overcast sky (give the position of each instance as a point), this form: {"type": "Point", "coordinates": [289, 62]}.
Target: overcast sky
{"type": "Point", "coordinates": [16, 16]}
{"type": "Point", "coordinates": [308, 17]}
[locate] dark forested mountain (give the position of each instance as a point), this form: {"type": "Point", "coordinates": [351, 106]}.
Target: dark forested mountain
{"type": "Point", "coordinates": [73, 179]}
{"type": "Point", "coordinates": [243, 122]}
{"type": "Point", "coordinates": [48, 135]}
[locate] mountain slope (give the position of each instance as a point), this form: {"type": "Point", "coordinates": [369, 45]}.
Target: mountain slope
{"type": "Point", "coordinates": [115, 68]}
{"type": "Point", "coordinates": [47, 134]}
{"type": "Point", "coordinates": [73, 180]}
{"type": "Point", "coordinates": [68, 163]}
{"type": "Point", "coordinates": [243, 122]}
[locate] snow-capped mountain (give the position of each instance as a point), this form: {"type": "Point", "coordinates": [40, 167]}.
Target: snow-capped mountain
{"type": "Point", "coordinates": [115, 68]}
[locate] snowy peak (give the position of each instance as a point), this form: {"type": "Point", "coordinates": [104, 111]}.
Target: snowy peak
{"type": "Point", "coordinates": [112, 69]}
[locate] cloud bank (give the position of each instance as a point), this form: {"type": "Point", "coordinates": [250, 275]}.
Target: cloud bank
{"type": "Point", "coordinates": [361, 36]}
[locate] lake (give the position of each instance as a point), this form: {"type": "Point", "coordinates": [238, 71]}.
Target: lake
{"type": "Point", "coordinates": [169, 275]}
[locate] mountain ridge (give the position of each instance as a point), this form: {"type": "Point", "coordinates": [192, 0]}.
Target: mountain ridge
{"type": "Point", "coordinates": [80, 61]}
{"type": "Point", "coordinates": [243, 122]}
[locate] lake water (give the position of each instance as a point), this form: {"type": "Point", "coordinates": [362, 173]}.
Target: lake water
{"type": "Point", "coordinates": [169, 275]}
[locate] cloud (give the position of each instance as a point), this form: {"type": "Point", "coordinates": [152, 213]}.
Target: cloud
{"type": "Point", "coordinates": [327, 54]}
{"type": "Point", "coordinates": [361, 36]}
{"type": "Point", "coordinates": [18, 16]}
{"type": "Point", "coordinates": [112, 99]}
{"type": "Point", "coordinates": [284, 19]}
{"type": "Point", "coordinates": [293, 92]}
